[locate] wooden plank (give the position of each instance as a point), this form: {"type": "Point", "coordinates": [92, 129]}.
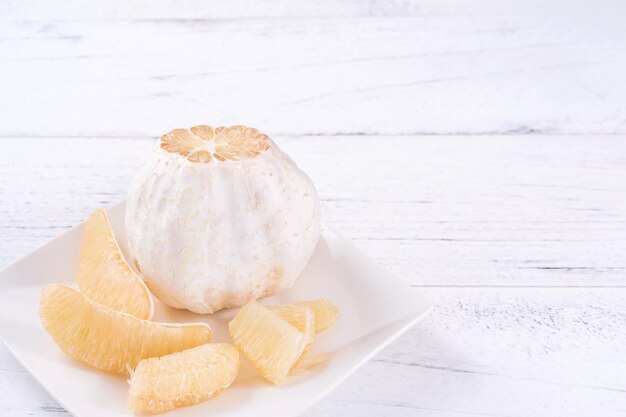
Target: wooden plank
{"type": "Point", "coordinates": [230, 9]}
{"type": "Point", "coordinates": [499, 352]}
{"type": "Point", "coordinates": [217, 9]}
{"type": "Point", "coordinates": [484, 352]}
{"type": "Point", "coordinates": [404, 75]}
{"type": "Point", "coordinates": [518, 239]}
{"type": "Point", "coordinates": [514, 211]}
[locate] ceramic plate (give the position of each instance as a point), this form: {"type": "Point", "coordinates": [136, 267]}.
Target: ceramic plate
{"type": "Point", "coordinates": [375, 309]}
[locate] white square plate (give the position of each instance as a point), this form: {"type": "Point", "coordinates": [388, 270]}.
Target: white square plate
{"type": "Point", "coordinates": [375, 309]}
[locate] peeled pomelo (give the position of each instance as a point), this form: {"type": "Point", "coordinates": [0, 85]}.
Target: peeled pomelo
{"type": "Point", "coordinates": [219, 216]}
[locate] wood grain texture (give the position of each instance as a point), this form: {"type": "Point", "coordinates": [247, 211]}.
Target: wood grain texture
{"type": "Point", "coordinates": [517, 239]}
{"type": "Point", "coordinates": [505, 210]}
{"type": "Point", "coordinates": [408, 73]}
{"type": "Point", "coordinates": [474, 148]}
{"type": "Point", "coordinates": [499, 352]}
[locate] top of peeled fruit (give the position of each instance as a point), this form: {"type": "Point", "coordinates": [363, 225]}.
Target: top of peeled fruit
{"type": "Point", "coordinates": [203, 144]}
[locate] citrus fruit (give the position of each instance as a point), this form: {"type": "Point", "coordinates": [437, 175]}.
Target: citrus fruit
{"type": "Point", "coordinates": [306, 319]}
{"type": "Point", "coordinates": [219, 216]}
{"type": "Point", "coordinates": [306, 362]}
{"type": "Point", "coordinates": [107, 339]}
{"type": "Point", "coordinates": [183, 378]}
{"type": "Point", "coordinates": [203, 143]}
{"type": "Point", "coordinates": [326, 313]}
{"type": "Point", "coordinates": [270, 343]}
{"type": "Point", "coordinates": [103, 274]}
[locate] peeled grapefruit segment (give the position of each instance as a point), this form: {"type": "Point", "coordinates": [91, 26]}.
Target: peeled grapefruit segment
{"type": "Point", "coordinates": [161, 384]}
{"type": "Point", "coordinates": [325, 312]}
{"type": "Point", "coordinates": [270, 343]}
{"type": "Point", "coordinates": [307, 319]}
{"type": "Point", "coordinates": [104, 275]}
{"type": "Point", "coordinates": [306, 362]}
{"type": "Point", "coordinates": [107, 339]}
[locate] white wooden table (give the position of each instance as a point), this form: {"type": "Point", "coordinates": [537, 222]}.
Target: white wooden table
{"type": "Point", "coordinates": [476, 150]}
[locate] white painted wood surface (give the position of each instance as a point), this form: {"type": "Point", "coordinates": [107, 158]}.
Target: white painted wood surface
{"type": "Point", "coordinates": [475, 149]}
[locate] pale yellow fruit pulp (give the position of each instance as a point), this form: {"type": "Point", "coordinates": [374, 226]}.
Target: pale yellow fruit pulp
{"type": "Point", "coordinates": [325, 312]}
{"type": "Point", "coordinates": [308, 361]}
{"type": "Point", "coordinates": [206, 143]}
{"type": "Point", "coordinates": [161, 384]}
{"type": "Point", "coordinates": [107, 339]}
{"type": "Point", "coordinates": [104, 275]}
{"type": "Point", "coordinates": [270, 343]}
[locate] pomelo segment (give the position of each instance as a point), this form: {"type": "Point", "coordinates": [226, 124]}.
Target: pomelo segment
{"type": "Point", "coordinates": [308, 327]}
{"type": "Point", "coordinates": [161, 384]}
{"type": "Point", "coordinates": [326, 314]}
{"type": "Point", "coordinates": [270, 343]}
{"type": "Point", "coordinates": [107, 339]}
{"type": "Point", "coordinates": [104, 275]}
{"type": "Point", "coordinates": [308, 361]}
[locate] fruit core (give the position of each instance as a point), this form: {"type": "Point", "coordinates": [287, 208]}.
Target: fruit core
{"type": "Point", "coordinates": [204, 143]}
